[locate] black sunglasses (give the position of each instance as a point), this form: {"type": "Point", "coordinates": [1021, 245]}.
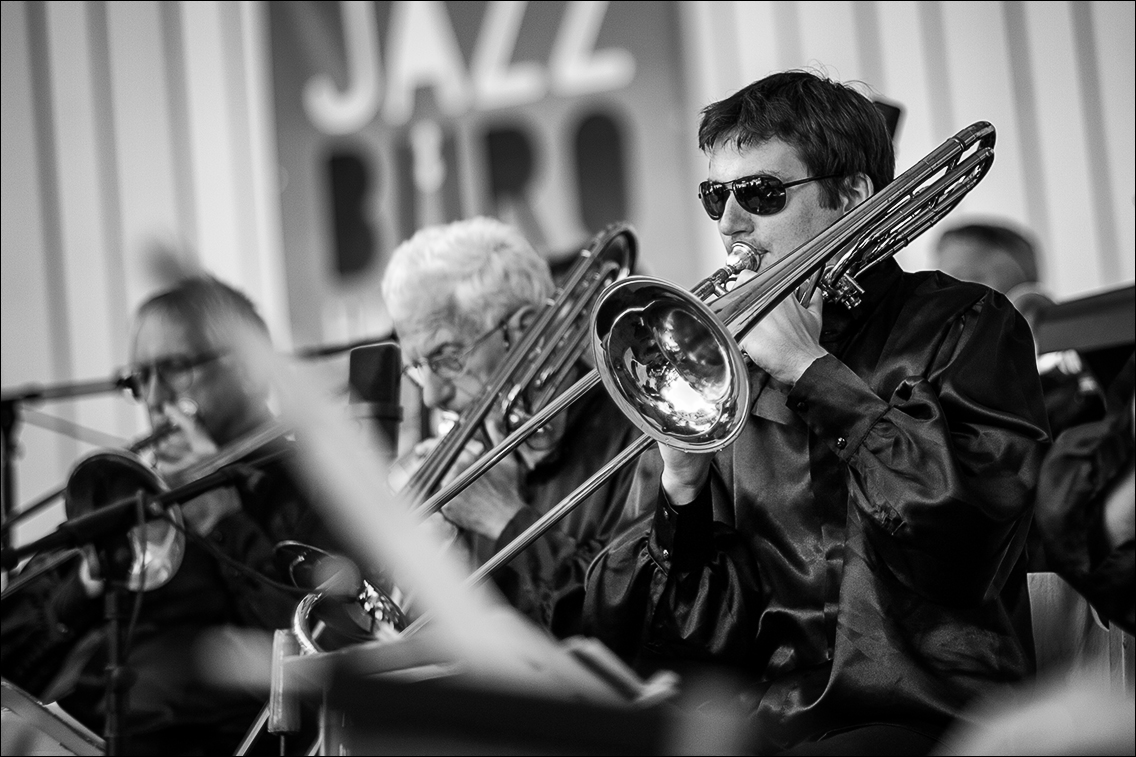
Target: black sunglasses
{"type": "Point", "coordinates": [760, 195]}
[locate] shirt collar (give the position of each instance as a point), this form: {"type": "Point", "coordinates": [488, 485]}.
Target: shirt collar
{"type": "Point", "coordinates": [876, 282]}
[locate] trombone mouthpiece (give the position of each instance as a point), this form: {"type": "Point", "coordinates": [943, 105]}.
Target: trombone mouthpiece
{"type": "Point", "coordinates": [165, 428]}
{"type": "Point", "coordinates": [187, 407]}
{"type": "Point", "coordinates": [155, 436]}
{"type": "Point", "coordinates": [742, 256]}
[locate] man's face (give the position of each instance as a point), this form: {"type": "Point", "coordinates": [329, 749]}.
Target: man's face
{"type": "Point", "coordinates": [970, 260]}
{"type": "Point", "coordinates": [222, 399]}
{"type": "Point", "coordinates": [774, 236]}
{"type": "Point", "coordinates": [479, 359]}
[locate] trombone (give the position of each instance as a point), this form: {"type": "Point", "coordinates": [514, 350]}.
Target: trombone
{"type": "Point", "coordinates": [137, 446]}
{"type": "Point", "coordinates": [96, 479]}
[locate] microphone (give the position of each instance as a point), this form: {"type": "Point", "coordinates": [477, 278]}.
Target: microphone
{"type": "Point", "coordinates": [375, 381]}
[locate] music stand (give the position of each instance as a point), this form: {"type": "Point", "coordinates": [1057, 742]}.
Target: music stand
{"type": "Point", "coordinates": [1100, 327]}
{"type": "Point", "coordinates": [407, 696]}
{"type": "Point", "coordinates": [48, 721]}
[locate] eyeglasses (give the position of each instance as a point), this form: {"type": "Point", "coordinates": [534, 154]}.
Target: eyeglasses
{"type": "Point", "coordinates": [759, 194]}
{"type": "Point", "coordinates": [176, 372]}
{"type": "Point", "coordinates": [447, 362]}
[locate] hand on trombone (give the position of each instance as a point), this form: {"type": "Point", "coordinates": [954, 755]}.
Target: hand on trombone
{"type": "Point", "coordinates": [787, 341]}
{"type": "Point", "coordinates": [89, 573]}
{"type": "Point", "coordinates": [783, 344]}
{"type": "Point", "coordinates": [187, 446]}
{"type": "Point", "coordinates": [487, 506]}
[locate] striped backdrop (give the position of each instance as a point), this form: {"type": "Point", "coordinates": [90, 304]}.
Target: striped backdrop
{"type": "Point", "coordinates": [1057, 80]}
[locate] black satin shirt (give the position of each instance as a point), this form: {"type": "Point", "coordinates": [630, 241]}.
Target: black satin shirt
{"type": "Point", "coordinates": [846, 552]}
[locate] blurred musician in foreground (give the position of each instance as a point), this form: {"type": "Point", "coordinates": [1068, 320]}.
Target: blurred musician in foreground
{"type": "Point", "coordinates": [53, 631]}
{"type": "Point", "coordinates": [460, 296]}
{"type": "Point", "coordinates": [843, 554]}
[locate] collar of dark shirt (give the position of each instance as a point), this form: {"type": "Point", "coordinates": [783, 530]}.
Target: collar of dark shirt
{"type": "Point", "coordinates": [770, 398]}
{"type": "Point", "coordinates": [876, 282]}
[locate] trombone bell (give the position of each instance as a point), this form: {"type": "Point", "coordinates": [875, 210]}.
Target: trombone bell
{"type": "Point", "coordinates": [670, 364]}
{"type": "Point", "coordinates": [157, 546]}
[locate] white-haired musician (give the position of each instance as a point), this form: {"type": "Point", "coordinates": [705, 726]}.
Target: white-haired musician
{"type": "Point", "coordinates": [462, 296]}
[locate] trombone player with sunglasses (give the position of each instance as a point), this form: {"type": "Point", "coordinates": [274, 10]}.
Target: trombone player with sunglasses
{"type": "Point", "coordinates": [54, 639]}
{"type": "Point", "coordinates": [461, 296]}
{"type": "Point", "coordinates": [842, 555]}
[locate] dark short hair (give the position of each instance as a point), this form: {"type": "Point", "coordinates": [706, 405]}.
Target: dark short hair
{"type": "Point", "coordinates": [205, 304]}
{"type": "Point", "coordinates": [995, 235]}
{"type": "Point", "coordinates": [834, 128]}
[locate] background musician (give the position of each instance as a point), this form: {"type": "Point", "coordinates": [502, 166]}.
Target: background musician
{"type": "Point", "coordinates": [1006, 259]}
{"type": "Point", "coordinates": [54, 638]}
{"type": "Point", "coordinates": [461, 295]}
{"type": "Point", "coordinates": [843, 554]}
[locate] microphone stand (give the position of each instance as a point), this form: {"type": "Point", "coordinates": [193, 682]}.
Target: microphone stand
{"type": "Point", "coordinates": [9, 420]}
{"type": "Point", "coordinates": [119, 676]}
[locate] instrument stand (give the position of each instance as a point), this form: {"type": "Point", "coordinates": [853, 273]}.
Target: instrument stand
{"type": "Point", "coordinates": [9, 421]}
{"type": "Point", "coordinates": [119, 676]}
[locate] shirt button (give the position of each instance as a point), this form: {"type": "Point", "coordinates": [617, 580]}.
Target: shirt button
{"type": "Point", "coordinates": [841, 442]}
{"type": "Point", "coordinates": [666, 554]}
{"type": "Point", "coordinates": [802, 406]}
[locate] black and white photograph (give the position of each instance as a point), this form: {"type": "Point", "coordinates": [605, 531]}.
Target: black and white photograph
{"type": "Point", "coordinates": [572, 377]}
